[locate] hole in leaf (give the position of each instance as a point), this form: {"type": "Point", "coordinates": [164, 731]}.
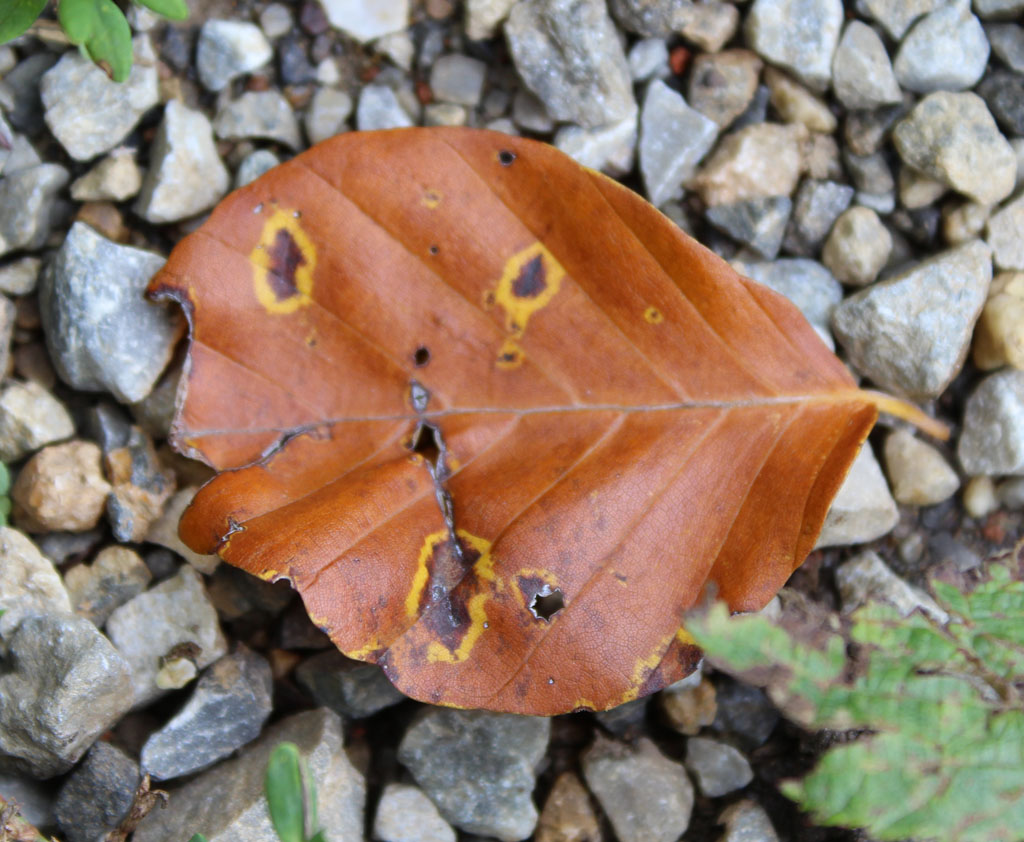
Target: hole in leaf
{"type": "Point", "coordinates": [426, 441]}
{"type": "Point", "coordinates": [547, 603]}
{"type": "Point", "coordinates": [505, 157]}
{"type": "Point", "coordinates": [434, 249]}
{"type": "Point", "coordinates": [422, 356]}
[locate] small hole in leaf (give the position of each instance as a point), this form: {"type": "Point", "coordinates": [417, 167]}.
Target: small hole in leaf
{"type": "Point", "coordinates": [297, 214]}
{"type": "Point", "coordinates": [547, 603]}
{"type": "Point", "coordinates": [426, 442]}
{"type": "Point", "coordinates": [505, 158]}
{"type": "Point", "coordinates": [422, 356]}
{"type": "Point", "coordinates": [434, 250]}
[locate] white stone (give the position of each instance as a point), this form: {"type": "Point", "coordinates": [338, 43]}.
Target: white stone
{"type": "Point", "coordinates": [608, 149]}
{"type": "Point", "coordinates": [366, 20]}
{"type": "Point", "coordinates": [114, 179]}
{"type": "Point", "coordinates": [405, 814]}
{"type": "Point", "coordinates": [863, 509]}
{"type": "Point", "coordinates": [918, 474]}
{"type": "Point", "coordinates": [379, 108]}
{"type": "Point", "coordinates": [228, 49]}
{"type": "Point", "coordinates": [1005, 235]}
{"type": "Point", "coordinates": [867, 578]}
{"type": "Point", "coordinates": [30, 418]}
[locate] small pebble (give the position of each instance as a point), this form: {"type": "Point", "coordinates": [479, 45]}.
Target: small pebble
{"type": "Point", "coordinates": [1003, 92]}
{"type": "Point", "coordinates": [759, 160]}
{"type": "Point", "coordinates": [1007, 42]}
{"type": "Point", "coordinates": [228, 49]}
{"type": "Point", "coordinates": [114, 179]}
{"type": "Point", "coordinates": [999, 334]}
{"type": "Point", "coordinates": [722, 85]}
{"type": "Point", "coordinates": [746, 821]}
{"type": "Point", "coordinates": [19, 277]}
{"type": "Point", "coordinates": [458, 79]}
{"type": "Point", "coordinates": [918, 190]}
{"type": "Point", "coordinates": [862, 75]}
{"type": "Point", "coordinates": [863, 508]}
{"type": "Point", "coordinates": [797, 35]}
{"type": "Point", "coordinates": [965, 221]}
{"type": "Point", "coordinates": [116, 575]}
{"type": "Point", "coordinates": [1011, 493]}
{"type": "Point", "coordinates": [608, 149]}
{"type": "Point", "coordinates": [405, 814]}
{"type": "Point", "coordinates": [718, 768]}
{"type": "Point", "coordinates": [866, 578]}
{"type": "Point", "coordinates": [1005, 235]}
{"type": "Point", "coordinates": [61, 488]}
{"type": "Point", "coordinates": [29, 583]}
{"type": "Point", "coordinates": [945, 51]}
{"type": "Point", "coordinates": [98, 794]}
{"type": "Point", "coordinates": [688, 709]}
{"type": "Point", "coordinates": [264, 115]}
{"type": "Point", "coordinates": [254, 165]}
{"type": "Point", "coordinates": [918, 475]}
{"type": "Point", "coordinates": [992, 441]}
{"type": "Point", "coordinates": [529, 113]}
{"type": "Point", "coordinates": [484, 16]}
{"type": "Point", "coordinates": [648, 59]}
{"type": "Point", "coordinates": [953, 138]}
{"type": "Point", "coordinates": [980, 498]}
{"type": "Point", "coordinates": [30, 418]}
{"type": "Point", "coordinates": [379, 108]}
{"type": "Point", "coordinates": [568, 814]}
{"type": "Point", "coordinates": [795, 104]}
{"type": "Point", "coordinates": [710, 25]}
{"type": "Point", "coordinates": [857, 247]}
{"type": "Point", "coordinates": [276, 20]}
{"type": "Point", "coordinates": [757, 223]}
{"type": "Point", "coordinates": [347, 687]}
{"type": "Point", "coordinates": [444, 114]}
{"type": "Point", "coordinates": [817, 206]}
{"type": "Point", "coordinates": [367, 20]}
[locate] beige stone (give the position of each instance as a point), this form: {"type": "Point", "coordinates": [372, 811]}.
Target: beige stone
{"type": "Point", "coordinates": [999, 334]}
{"type": "Point", "coordinates": [688, 709]}
{"type": "Point", "coordinates": [796, 104]}
{"type": "Point", "coordinates": [759, 160]}
{"type": "Point", "coordinates": [61, 488]}
{"type": "Point", "coordinates": [568, 815]}
{"type": "Point", "coordinates": [918, 474]}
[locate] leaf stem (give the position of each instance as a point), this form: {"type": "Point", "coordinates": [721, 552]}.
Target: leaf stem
{"type": "Point", "coordinates": [907, 411]}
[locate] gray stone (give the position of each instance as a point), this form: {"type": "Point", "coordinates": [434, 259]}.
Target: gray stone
{"type": "Point", "coordinates": [97, 794]}
{"type": "Point", "coordinates": [746, 821]}
{"type": "Point", "coordinates": [722, 85]}
{"type": "Point", "coordinates": [226, 711]}
{"type": "Point", "coordinates": [114, 179]}
{"type": "Point", "coordinates": [276, 20]}
{"type": "Point", "coordinates": [1007, 42]}
{"type": "Point", "coordinates": [758, 223]}
{"type": "Point", "coordinates": [1010, 493]}
{"type": "Point", "coordinates": [366, 20]}
{"type": "Point", "coordinates": [1003, 92]}
{"type": "Point", "coordinates": [103, 335]}
{"type": "Point", "coordinates": [22, 155]}
{"type": "Point", "coordinates": [252, 167]}
{"type": "Point", "coordinates": [484, 16]}
{"type": "Point", "coordinates": [673, 139]}
{"type": "Point", "coordinates": [717, 767]}
{"type": "Point", "coordinates": [265, 115]}
{"type": "Point", "coordinates": [992, 441]}
{"type": "Point", "coordinates": [745, 712]}
{"type": "Point", "coordinates": [646, 796]}
{"type": "Point", "coordinates": [458, 79]}
{"type": "Point", "coordinates": [19, 92]}
{"type": "Point", "coordinates": [798, 35]}
{"type": "Point", "coordinates": [945, 51]}
{"type": "Point", "coordinates": [379, 108]}
{"type": "Point", "coordinates": [568, 53]}
{"type": "Point", "coordinates": [896, 16]}
{"type": "Point", "coordinates": [347, 687]}
{"type": "Point", "coordinates": [808, 284]}
{"type": "Point", "coordinates": [953, 138]}
{"type": "Point", "coordinates": [867, 132]}
{"type": "Point", "coordinates": [405, 814]}
{"type": "Point", "coordinates": [869, 173]}
{"type": "Point", "coordinates": [145, 629]}
{"type": "Point", "coordinates": [444, 114]}
{"type": "Point", "coordinates": [652, 18]}
{"type": "Point", "coordinates": [760, 160]}
{"type": "Point", "coordinates": [817, 206]}
{"type": "Point", "coordinates": [918, 474]}
{"type": "Point", "coordinates": [186, 175]}
{"type": "Point", "coordinates": [27, 205]}
{"type": "Point", "coordinates": [1005, 235]}
{"type": "Point", "coordinates": [228, 49]}
{"type": "Point", "coordinates": [227, 804]}
{"type": "Point", "coordinates": [863, 508]}
{"type": "Point", "coordinates": [87, 111]}
{"type": "Point", "coordinates": [478, 767]}
{"type": "Point", "coordinates": [30, 418]}
{"type": "Point", "coordinates": [999, 9]}
{"type": "Point", "coordinates": [529, 113]}
{"type": "Point", "coordinates": [857, 247]}
{"type": "Point", "coordinates": [29, 583]}
{"type": "Point", "coordinates": [609, 148]}
{"type": "Point", "coordinates": [866, 577]}
{"type": "Point", "coordinates": [327, 114]}
{"type": "Point", "coordinates": [19, 277]}
{"type": "Point", "coordinates": [63, 685]}
{"type": "Point", "coordinates": [910, 333]}
{"type": "Point", "coordinates": [862, 75]}
{"type": "Point", "coordinates": [115, 576]}
{"type": "Point", "coordinates": [648, 59]}
{"type": "Point", "coordinates": [625, 721]}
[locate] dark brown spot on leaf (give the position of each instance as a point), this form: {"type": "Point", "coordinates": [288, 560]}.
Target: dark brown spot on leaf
{"type": "Point", "coordinates": [285, 259]}
{"type": "Point", "coordinates": [532, 279]}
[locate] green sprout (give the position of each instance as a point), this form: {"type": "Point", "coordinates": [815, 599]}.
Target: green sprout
{"type": "Point", "coordinates": [97, 27]}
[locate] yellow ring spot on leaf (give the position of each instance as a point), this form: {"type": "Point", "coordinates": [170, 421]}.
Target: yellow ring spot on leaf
{"type": "Point", "coordinates": [685, 638]}
{"type": "Point", "coordinates": [422, 574]}
{"type": "Point", "coordinates": [510, 355]}
{"type": "Point", "coordinates": [652, 315]}
{"type": "Point", "coordinates": [645, 666]}
{"type": "Point", "coordinates": [283, 262]}
{"type": "Point", "coordinates": [483, 569]}
{"type": "Point", "coordinates": [530, 280]}
{"type": "Point", "coordinates": [431, 199]}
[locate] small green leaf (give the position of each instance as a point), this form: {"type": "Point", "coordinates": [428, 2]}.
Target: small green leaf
{"type": "Point", "coordinates": [5, 479]}
{"type": "Point", "coordinates": [198, 838]}
{"type": "Point", "coordinates": [100, 29]}
{"type": "Point", "coordinates": [173, 9]}
{"type": "Point", "coordinates": [318, 837]}
{"type": "Point", "coordinates": [18, 15]}
{"type": "Point", "coordinates": [284, 786]}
